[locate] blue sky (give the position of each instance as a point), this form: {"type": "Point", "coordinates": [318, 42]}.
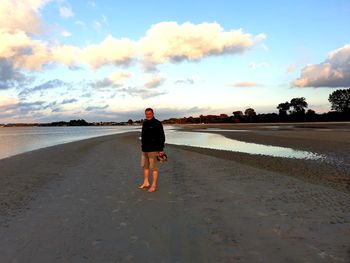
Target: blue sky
{"type": "Point", "coordinates": [108, 60]}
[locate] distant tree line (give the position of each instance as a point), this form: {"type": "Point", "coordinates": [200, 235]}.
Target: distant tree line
{"type": "Point", "coordinates": [289, 111]}
{"type": "Point", "coordinates": [79, 122]}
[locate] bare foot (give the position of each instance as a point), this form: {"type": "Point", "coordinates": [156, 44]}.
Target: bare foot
{"type": "Point", "coordinates": [143, 186]}
{"type": "Point", "coordinates": [152, 189]}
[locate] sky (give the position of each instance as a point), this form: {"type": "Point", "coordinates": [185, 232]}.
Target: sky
{"type": "Point", "coordinates": [108, 60]}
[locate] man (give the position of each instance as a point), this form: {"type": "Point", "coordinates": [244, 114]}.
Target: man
{"type": "Point", "coordinates": [152, 139]}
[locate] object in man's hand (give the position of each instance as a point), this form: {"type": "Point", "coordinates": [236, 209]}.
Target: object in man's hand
{"type": "Point", "coordinates": [162, 157]}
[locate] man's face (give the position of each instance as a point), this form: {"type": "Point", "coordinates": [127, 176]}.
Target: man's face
{"type": "Point", "coordinates": [149, 115]}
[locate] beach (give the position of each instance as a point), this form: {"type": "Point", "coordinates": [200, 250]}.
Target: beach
{"type": "Point", "coordinates": [79, 202]}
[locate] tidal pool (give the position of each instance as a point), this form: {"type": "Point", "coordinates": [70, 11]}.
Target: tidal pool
{"type": "Point", "coordinates": [220, 142]}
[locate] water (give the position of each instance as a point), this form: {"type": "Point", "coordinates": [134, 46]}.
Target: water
{"type": "Point", "coordinates": [15, 140]}
{"type": "Point", "coordinates": [219, 142]}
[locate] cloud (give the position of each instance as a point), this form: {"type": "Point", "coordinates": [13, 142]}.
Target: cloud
{"type": "Point", "coordinates": [190, 80]}
{"type": "Point", "coordinates": [334, 72]}
{"type": "Point", "coordinates": [10, 77]}
{"type": "Point", "coordinates": [170, 41]}
{"type": "Point", "coordinates": [66, 11]}
{"type": "Point", "coordinates": [65, 54]}
{"type": "Point", "coordinates": [115, 79]}
{"type": "Point", "coordinates": [154, 82]}
{"type": "Point", "coordinates": [23, 51]}
{"type": "Point", "coordinates": [22, 110]}
{"type": "Point", "coordinates": [27, 107]}
{"type": "Point", "coordinates": [51, 84]}
{"type": "Point", "coordinates": [119, 76]}
{"type": "Point", "coordinates": [245, 84]}
{"type": "Point", "coordinates": [96, 108]}
{"type": "Point", "coordinates": [164, 42]}
{"type": "Point", "coordinates": [66, 34]}
{"type": "Point", "coordinates": [141, 92]}
{"type": "Point", "coordinates": [18, 15]}
{"type": "Point", "coordinates": [68, 101]}
{"type": "Point", "coordinates": [110, 51]}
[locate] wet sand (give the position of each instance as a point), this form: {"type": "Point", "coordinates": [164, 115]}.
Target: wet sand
{"type": "Point", "coordinates": [79, 202]}
{"type": "Point", "coordinates": [329, 139]}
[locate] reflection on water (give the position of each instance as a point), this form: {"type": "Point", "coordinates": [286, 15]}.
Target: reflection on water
{"type": "Point", "coordinates": [15, 140]}
{"type": "Point", "coordinates": [219, 142]}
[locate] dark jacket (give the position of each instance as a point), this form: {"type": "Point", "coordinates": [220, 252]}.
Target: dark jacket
{"type": "Point", "coordinates": [152, 136]}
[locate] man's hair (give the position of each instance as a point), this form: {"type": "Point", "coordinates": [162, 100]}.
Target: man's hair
{"type": "Point", "coordinates": [149, 109]}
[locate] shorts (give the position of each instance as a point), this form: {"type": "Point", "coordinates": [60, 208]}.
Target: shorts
{"type": "Point", "coordinates": [149, 160]}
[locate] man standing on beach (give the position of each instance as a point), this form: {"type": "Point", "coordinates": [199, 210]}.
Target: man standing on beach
{"type": "Point", "coordinates": [152, 139]}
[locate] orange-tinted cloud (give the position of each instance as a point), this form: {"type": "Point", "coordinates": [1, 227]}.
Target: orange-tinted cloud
{"type": "Point", "coordinates": [170, 41]}
{"type": "Point", "coordinates": [245, 84]}
{"type": "Point", "coordinates": [333, 72]}
{"type": "Point", "coordinates": [163, 43]}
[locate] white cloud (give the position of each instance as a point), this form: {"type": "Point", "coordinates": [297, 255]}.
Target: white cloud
{"type": "Point", "coordinates": [119, 76]}
{"type": "Point", "coordinates": [170, 41]}
{"type": "Point", "coordinates": [66, 11]}
{"type": "Point", "coordinates": [110, 51]}
{"type": "Point", "coordinates": [333, 72]}
{"type": "Point", "coordinates": [65, 54]}
{"type": "Point", "coordinates": [163, 43]}
{"type": "Point", "coordinates": [66, 34]}
{"type": "Point", "coordinates": [19, 15]}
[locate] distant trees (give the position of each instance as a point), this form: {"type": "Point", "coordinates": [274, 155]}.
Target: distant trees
{"type": "Point", "coordinates": [283, 108]}
{"type": "Point", "coordinates": [250, 114]}
{"type": "Point", "coordinates": [298, 105]}
{"type": "Point", "coordinates": [237, 116]}
{"type": "Point", "coordinates": [340, 100]}
{"type": "Point", "coordinates": [290, 111]}
{"type": "Point", "coordinates": [78, 123]}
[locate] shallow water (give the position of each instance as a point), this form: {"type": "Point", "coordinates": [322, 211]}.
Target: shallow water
{"type": "Point", "coordinates": [220, 142]}
{"type": "Point", "coordinates": [16, 140]}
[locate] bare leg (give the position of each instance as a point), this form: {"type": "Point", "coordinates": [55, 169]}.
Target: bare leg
{"type": "Point", "coordinates": [145, 178]}
{"type": "Point", "coordinates": [154, 181]}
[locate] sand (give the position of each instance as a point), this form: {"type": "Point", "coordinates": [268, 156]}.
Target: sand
{"type": "Point", "coordinates": [79, 202]}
